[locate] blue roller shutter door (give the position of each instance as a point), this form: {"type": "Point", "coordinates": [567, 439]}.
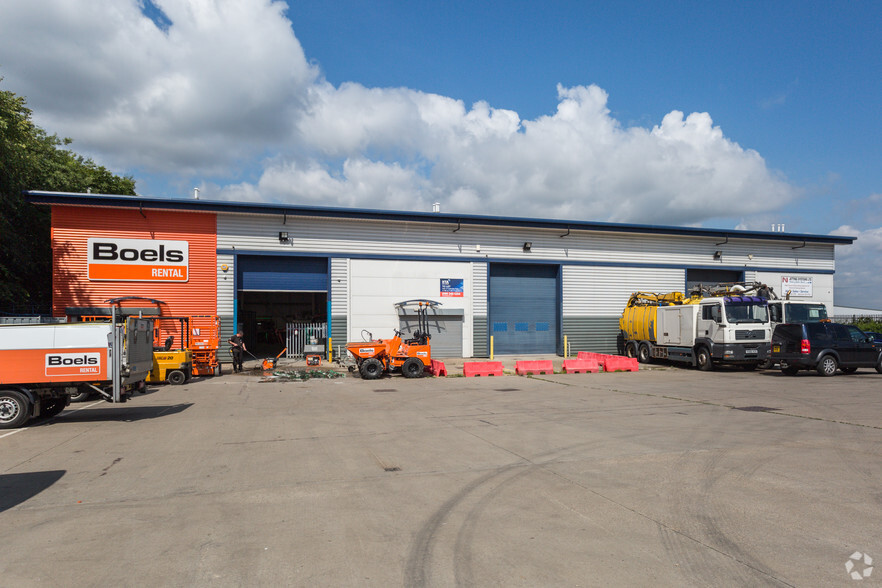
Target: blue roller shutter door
{"type": "Point", "coordinates": [524, 309]}
{"type": "Point", "coordinates": [282, 274]}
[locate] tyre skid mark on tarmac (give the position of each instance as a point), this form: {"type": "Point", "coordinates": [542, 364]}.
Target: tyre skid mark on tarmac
{"type": "Point", "coordinates": [712, 515]}
{"type": "Point", "coordinates": [418, 570]}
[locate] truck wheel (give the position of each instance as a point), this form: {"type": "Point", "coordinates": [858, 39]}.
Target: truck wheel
{"type": "Point", "coordinates": [827, 366]}
{"type": "Point", "coordinates": [81, 396]}
{"type": "Point", "coordinates": [53, 407]}
{"type": "Point", "coordinates": [14, 409]}
{"type": "Point", "coordinates": [413, 368]}
{"type": "Point", "coordinates": [176, 377]}
{"type": "Point", "coordinates": [631, 349]}
{"type": "Point", "coordinates": [643, 353]}
{"type": "Point", "coordinates": [704, 360]}
{"type": "Point", "coordinates": [371, 368]}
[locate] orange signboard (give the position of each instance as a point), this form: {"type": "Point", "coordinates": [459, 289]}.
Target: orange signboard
{"type": "Point", "coordinates": [53, 365]}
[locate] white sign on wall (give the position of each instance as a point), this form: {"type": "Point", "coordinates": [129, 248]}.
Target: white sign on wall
{"type": "Point", "coordinates": [796, 286]}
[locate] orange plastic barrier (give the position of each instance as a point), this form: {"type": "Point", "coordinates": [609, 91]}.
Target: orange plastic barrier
{"type": "Point", "coordinates": [580, 366]}
{"type": "Point", "coordinates": [523, 368]}
{"type": "Point", "coordinates": [472, 369]}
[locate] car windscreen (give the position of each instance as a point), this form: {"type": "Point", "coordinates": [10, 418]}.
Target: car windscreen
{"type": "Point", "coordinates": [806, 313]}
{"type": "Point", "coordinates": [746, 309]}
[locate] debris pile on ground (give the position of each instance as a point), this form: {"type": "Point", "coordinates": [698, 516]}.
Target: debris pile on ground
{"type": "Point", "coordinates": [296, 375]}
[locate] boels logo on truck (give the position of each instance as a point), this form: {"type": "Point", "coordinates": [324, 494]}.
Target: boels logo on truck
{"type": "Point", "coordinates": [73, 364]}
{"type": "Point", "coordinates": [138, 260]}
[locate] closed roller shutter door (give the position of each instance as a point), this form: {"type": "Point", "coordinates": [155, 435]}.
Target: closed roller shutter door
{"type": "Point", "coordinates": [445, 329]}
{"type": "Point", "coordinates": [282, 274]}
{"type": "Point", "coordinates": [524, 308]}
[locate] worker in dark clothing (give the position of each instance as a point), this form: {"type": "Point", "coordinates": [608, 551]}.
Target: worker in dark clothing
{"type": "Point", "coordinates": [237, 348]}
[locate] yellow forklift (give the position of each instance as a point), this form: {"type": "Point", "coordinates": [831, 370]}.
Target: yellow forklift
{"type": "Point", "coordinates": [173, 361]}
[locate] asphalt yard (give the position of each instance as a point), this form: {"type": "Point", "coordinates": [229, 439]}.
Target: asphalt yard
{"type": "Point", "coordinates": [668, 477]}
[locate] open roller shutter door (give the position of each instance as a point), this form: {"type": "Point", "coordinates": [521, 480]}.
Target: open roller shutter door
{"type": "Point", "coordinates": [524, 308]}
{"type": "Point", "coordinates": [282, 274]}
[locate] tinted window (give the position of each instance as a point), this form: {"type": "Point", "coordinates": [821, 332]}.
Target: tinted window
{"type": "Point", "coordinates": [818, 333]}
{"type": "Point", "coordinates": [788, 333]}
{"type": "Point", "coordinates": [857, 335]}
{"type": "Point", "coordinates": [841, 333]}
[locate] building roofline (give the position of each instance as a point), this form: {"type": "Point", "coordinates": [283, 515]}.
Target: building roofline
{"type": "Point", "coordinates": [220, 206]}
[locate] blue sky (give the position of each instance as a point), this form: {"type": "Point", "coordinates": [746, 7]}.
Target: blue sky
{"type": "Point", "coordinates": [799, 82]}
{"type": "Point", "coordinates": [737, 114]}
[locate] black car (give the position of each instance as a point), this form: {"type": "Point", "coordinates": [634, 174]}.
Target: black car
{"type": "Point", "coordinates": [824, 347]}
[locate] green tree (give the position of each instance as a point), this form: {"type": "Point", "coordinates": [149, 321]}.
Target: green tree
{"type": "Point", "coordinates": [31, 159]}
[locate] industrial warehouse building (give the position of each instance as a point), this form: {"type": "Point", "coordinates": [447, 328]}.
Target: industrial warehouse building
{"type": "Point", "coordinates": [273, 270]}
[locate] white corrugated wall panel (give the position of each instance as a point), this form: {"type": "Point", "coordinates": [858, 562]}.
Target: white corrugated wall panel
{"type": "Point", "coordinates": [479, 288]}
{"type": "Point", "coordinates": [226, 292]}
{"type": "Point", "coordinates": [604, 291]}
{"type": "Point", "coordinates": [339, 286]}
{"type": "Point", "coordinates": [254, 232]}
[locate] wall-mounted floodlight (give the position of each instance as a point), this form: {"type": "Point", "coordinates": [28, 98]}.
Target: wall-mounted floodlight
{"type": "Point", "coordinates": [527, 246]}
{"type": "Point", "coordinates": [283, 236]}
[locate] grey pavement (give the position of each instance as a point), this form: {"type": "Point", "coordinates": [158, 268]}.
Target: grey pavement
{"type": "Point", "coordinates": [665, 477]}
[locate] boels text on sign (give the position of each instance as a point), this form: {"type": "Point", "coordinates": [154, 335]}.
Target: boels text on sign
{"type": "Point", "coordinates": [73, 364]}
{"type": "Point", "coordinates": [138, 260]}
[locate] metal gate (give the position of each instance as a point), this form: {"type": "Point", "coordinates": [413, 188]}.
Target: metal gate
{"type": "Point", "coordinates": [300, 334]}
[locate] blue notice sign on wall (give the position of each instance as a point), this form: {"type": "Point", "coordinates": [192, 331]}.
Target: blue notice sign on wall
{"type": "Point", "coordinates": [451, 287]}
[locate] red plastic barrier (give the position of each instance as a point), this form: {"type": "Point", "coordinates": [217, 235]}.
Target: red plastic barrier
{"type": "Point", "coordinates": [580, 366]}
{"type": "Point", "coordinates": [471, 369]}
{"type": "Point", "coordinates": [615, 363]}
{"type": "Point", "coordinates": [438, 368]}
{"type": "Point", "coordinates": [544, 366]}
{"type": "Point", "coordinates": [600, 358]}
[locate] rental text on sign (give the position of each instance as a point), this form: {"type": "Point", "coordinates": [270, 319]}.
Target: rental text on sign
{"type": "Point", "coordinates": [138, 260]}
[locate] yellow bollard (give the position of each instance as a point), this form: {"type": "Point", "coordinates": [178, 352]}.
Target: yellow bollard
{"type": "Point", "coordinates": [330, 350]}
{"type": "Point", "coordinates": [491, 347]}
{"type": "Point", "coordinates": [566, 348]}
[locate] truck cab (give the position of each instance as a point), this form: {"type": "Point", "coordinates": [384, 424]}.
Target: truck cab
{"type": "Point", "coordinates": [732, 330]}
{"type": "Point", "coordinates": [796, 311]}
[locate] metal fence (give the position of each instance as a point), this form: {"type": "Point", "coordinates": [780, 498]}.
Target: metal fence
{"type": "Point", "coordinates": [300, 334]}
{"type": "Point", "coordinates": [853, 318]}
{"type": "Point", "coordinates": [31, 320]}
